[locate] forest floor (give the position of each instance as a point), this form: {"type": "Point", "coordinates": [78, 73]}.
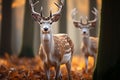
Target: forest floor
{"type": "Point", "coordinates": [14, 68]}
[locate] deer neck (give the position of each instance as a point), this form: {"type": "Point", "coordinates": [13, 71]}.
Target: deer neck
{"type": "Point", "coordinates": [86, 41]}
{"type": "Point", "coordinates": [47, 42]}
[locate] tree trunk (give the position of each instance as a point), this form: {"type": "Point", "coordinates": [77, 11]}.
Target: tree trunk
{"type": "Point", "coordinates": [92, 4]}
{"type": "Point", "coordinates": [63, 19]}
{"type": "Point", "coordinates": [6, 27]}
{"type": "Point", "coordinates": [27, 46]}
{"type": "Point", "coordinates": [108, 62]}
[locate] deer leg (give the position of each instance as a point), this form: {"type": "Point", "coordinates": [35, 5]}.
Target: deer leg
{"type": "Point", "coordinates": [47, 71]}
{"type": "Point", "coordinates": [86, 64]}
{"type": "Point", "coordinates": [94, 62]}
{"type": "Point", "coordinates": [68, 66]}
{"type": "Point", "coordinates": [58, 73]}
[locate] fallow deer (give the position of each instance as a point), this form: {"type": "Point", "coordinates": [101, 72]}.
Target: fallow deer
{"type": "Point", "coordinates": [55, 49]}
{"type": "Point", "coordinates": [89, 44]}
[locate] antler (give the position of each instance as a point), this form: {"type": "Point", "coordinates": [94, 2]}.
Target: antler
{"type": "Point", "coordinates": [76, 23]}
{"type": "Point", "coordinates": [92, 22]}
{"type": "Point", "coordinates": [53, 17]}
{"type": "Point", "coordinates": [79, 24]}
{"type": "Point", "coordinates": [95, 12]}
{"type": "Point", "coordinates": [36, 16]}
{"type": "Point", "coordinates": [56, 16]}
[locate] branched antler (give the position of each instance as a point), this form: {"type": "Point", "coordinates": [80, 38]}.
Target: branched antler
{"type": "Point", "coordinates": [89, 22]}
{"type": "Point", "coordinates": [56, 16]}
{"type": "Point", "coordinates": [95, 12]}
{"type": "Point", "coordinates": [36, 15]}
{"type": "Point", "coordinates": [75, 22]}
{"type": "Point", "coordinates": [53, 17]}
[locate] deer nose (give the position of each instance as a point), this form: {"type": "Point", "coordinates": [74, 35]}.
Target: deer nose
{"type": "Point", "coordinates": [45, 29]}
{"type": "Point", "coordinates": [84, 32]}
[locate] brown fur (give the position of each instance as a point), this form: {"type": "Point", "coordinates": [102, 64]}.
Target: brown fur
{"type": "Point", "coordinates": [90, 48]}
{"type": "Point", "coordinates": [62, 43]}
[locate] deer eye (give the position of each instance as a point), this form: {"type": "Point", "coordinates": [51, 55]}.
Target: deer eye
{"type": "Point", "coordinates": [40, 22]}
{"type": "Point", "coordinates": [50, 22]}
{"type": "Point", "coordinates": [80, 27]}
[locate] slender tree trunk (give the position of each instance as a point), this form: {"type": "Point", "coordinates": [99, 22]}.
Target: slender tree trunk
{"type": "Point", "coordinates": [63, 19]}
{"type": "Point", "coordinates": [108, 62]}
{"type": "Point", "coordinates": [0, 24]}
{"type": "Point", "coordinates": [27, 46]}
{"type": "Point", "coordinates": [92, 4]}
{"type": "Point", "coordinates": [6, 27]}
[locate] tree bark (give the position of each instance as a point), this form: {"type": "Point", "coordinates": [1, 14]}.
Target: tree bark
{"type": "Point", "coordinates": [108, 62]}
{"type": "Point", "coordinates": [6, 27]}
{"type": "Point", "coordinates": [92, 4]}
{"type": "Point", "coordinates": [63, 19]}
{"type": "Point", "coordinates": [27, 46]}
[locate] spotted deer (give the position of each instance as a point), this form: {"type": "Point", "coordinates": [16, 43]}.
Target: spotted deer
{"type": "Point", "coordinates": [55, 49]}
{"type": "Point", "coordinates": [89, 45]}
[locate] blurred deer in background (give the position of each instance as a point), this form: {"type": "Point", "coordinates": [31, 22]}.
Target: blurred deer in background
{"type": "Point", "coordinates": [55, 49]}
{"type": "Point", "coordinates": [89, 45]}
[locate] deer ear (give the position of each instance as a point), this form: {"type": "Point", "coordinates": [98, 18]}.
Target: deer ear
{"type": "Point", "coordinates": [36, 17]}
{"type": "Point", "coordinates": [92, 25]}
{"type": "Point", "coordinates": [55, 17]}
{"type": "Point", "coordinates": [76, 24]}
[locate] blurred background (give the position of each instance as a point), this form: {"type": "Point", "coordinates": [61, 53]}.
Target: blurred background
{"type": "Point", "coordinates": [20, 34]}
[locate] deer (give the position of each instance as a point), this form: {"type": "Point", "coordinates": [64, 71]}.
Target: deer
{"type": "Point", "coordinates": [55, 49]}
{"type": "Point", "coordinates": [89, 44]}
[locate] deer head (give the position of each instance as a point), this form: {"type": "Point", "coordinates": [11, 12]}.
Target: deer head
{"type": "Point", "coordinates": [85, 27]}
{"type": "Point", "coordinates": [45, 22]}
